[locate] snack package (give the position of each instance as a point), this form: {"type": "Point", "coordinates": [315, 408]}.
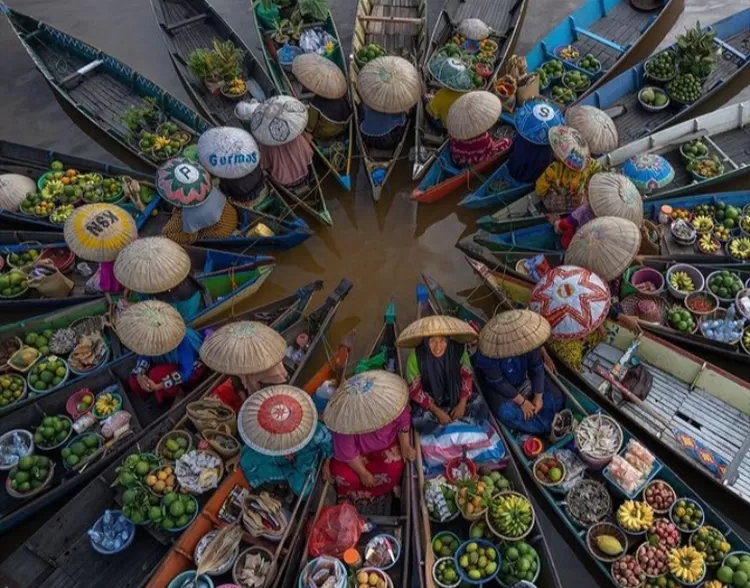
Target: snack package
{"type": "Point", "coordinates": [625, 475]}
{"type": "Point", "coordinates": [644, 455]}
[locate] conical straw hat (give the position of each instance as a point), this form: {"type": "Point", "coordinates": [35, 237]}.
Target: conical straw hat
{"type": "Point", "coordinates": [228, 152]}
{"type": "Point", "coordinates": [152, 265]}
{"type": "Point", "coordinates": [569, 147]}
{"type": "Point", "coordinates": [474, 29]}
{"type": "Point", "coordinates": [98, 232]}
{"type": "Point", "coordinates": [389, 85]}
{"type": "Point", "coordinates": [596, 126]}
{"type": "Point", "coordinates": [366, 402]}
{"type": "Point", "coordinates": [278, 120]}
{"type": "Point", "coordinates": [243, 347]}
{"type": "Point", "coordinates": [513, 333]}
{"type": "Point", "coordinates": [615, 195]}
{"type": "Point", "coordinates": [183, 182]}
{"type": "Point", "coordinates": [473, 114]}
{"type": "Point", "coordinates": [605, 246]}
{"type": "Point", "coordinates": [436, 326]}
{"type": "Point", "coordinates": [150, 328]}
{"type": "Point", "coordinates": [13, 190]}
{"type": "Point", "coordinates": [278, 420]}
{"type": "Point", "coordinates": [320, 75]}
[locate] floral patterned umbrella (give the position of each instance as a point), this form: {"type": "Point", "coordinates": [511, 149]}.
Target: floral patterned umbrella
{"type": "Point", "coordinates": [648, 171]}
{"type": "Point", "coordinates": [574, 301]}
{"type": "Point", "coordinates": [183, 183]}
{"type": "Point", "coordinates": [569, 146]}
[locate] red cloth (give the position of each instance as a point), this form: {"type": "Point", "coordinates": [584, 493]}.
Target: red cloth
{"type": "Point", "coordinates": [156, 374]}
{"type": "Point", "coordinates": [473, 151]}
{"type": "Point", "coordinates": [386, 465]}
{"type": "Point", "coordinates": [568, 228]}
{"type": "Point", "coordinates": [227, 393]}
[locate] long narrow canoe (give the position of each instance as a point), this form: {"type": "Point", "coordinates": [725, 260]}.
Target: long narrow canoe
{"type": "Point", "coordinates": [400, 27]}
{"type": "Point", "coordinates": [441, 303]}
{"type": "Point", "coordinates": [231, 273]}
{"type": "Point", "coordinates": [335, 153]}
{"type": "Point", "coordinates": [706, 409]}
{"type": "Point", "coordinates": [505, 19]}
{"type": "Point", "coordinates": [724, 131]}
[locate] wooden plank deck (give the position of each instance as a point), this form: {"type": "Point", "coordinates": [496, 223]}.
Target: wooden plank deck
{"type": "Point", "coordinates": [397, 38]}
{"type": "Point", "coordinates": [495, 13]}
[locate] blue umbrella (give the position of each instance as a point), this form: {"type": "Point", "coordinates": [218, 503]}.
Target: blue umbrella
{"type": "Point", "coordinates": [531, 152]}
{"type": "Point", "coordinates": [648, 171]}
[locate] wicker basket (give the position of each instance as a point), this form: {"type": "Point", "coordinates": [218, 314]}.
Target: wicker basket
{"type": "Point", "coordinates": [496, 533]}
{"type": "Point", "coordinates": [606, 529]}
{"type": "Point", "coordinates": [249, 551]}
{"type": "Point", "coordinates": [8, 347]}
{"type": "Point", "coordinates": [31, 364]}
{"type": "Point", "coordinates": [172, 435]}
{"type": "Point", "coordinates": [579, 488]}
{"type": "Point", "coordinates": [659, 511]}
{"type": "Point", "coordinates": [42, 487]}
{"type": "Point", "coordinates": [210, 413]}
{"type": "Point", "coordinates": [598, 463]}
{"type": "Point", "coordinates": [213, 436]}
{"type": "Point", "coordinates": [545, 483]}
{"type": "Point", "coordinates": [88, 325]}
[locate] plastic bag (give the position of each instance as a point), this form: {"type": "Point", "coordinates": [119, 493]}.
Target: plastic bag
{"type": "Point", "coordinates": [483, 445]}
{"type": "Point", "coordinates": [337, 529]}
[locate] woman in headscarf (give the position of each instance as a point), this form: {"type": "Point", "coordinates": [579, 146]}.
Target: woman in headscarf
{"type": "Point", "coordinates": [167, 349]}
{"type": "Point", "coordinates": [369, 420]}
{"type": "Point", "coordinates": [328, 111]}
{"type": "Point", "coordinates": [510, 366]}
{"type": "Point", "coordinates": [609, 194]}
{"type": "Point", "coordinates": [563, 185]}
{"type": "Point", "coordinates": [470, 120]}
{"type": "Point", "coordinates": [284, 441]}
{"type": "Point", "coordinates": [439, 371]}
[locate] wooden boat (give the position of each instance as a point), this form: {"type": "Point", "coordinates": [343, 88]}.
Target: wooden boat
{"type": "Point", "coordinates": [401, 29]}
{"type": "Point", "coordinates": [187, 25]}
{"type": "Point", "coordinates": [505, 19]}
{"type": "Point", "coordinates": [335, 153]}
{"type": "Point", "coordinates": [441, 303]}
{"type": "Point", "coordinates": [724, 132]}
{"type": "Point", "coordinates": [695, 409]}
{"type": "Point", "coordinates": [145, 414]}
{"type": "Point", "coordinates": [218, 272]}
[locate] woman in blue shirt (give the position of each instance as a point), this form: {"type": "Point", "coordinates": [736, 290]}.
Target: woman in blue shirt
{"type": "Point", "coordinates": [510, 366]}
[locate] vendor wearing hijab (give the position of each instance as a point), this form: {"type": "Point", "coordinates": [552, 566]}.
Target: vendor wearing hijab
{"type": "Point", "coordinates": [388, 87]}
{"type": "Point", "coordinates": [470, 120]}
{"type": "Point", "coordinates": [167, 350]}
{"type": "Point", "coordinates": [156, 268]}
{"type": "Point", "coordinates": [278, 124]}
{"type": "Point", "coordinates": [284, 441]}
{"type": "Point", "coordinates": [510, 366]}
{"type": "Point", "coordinates": [563, 185]}
{"type": "Point", "coordinates": [609, 194]}
{"type": "Point", "coordinates": [369, 420]}
{"type": "Point", "coordinates": [439, 371]}
{"type": "Point", "coordinates": [251, 352]}
{"type": "Point", "coordinates": [329, 111]}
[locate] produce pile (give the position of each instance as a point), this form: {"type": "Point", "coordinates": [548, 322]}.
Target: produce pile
{"type": "Point", "coordinates": [11, 389]}
{"type": "Point", "coordinates": [478, 560]}
{"type": "Point", "coordinates": [81, 449]}
{"type": "Point", "coordinates": [479, 58]}
{"type": "Point", "coordinates": [48, 374]}
{"type": "Point", "coordinates": [653, 97]}
{"type": "Point", "coordinates": [52, 431]}
{"type": "Point", "coordinates": [520, 561]}
{"type": "Point", "coordinates": [31, 473]}
{"type": "Point", "coordinates": [370, 52]}
{"type": "Point", "coordinates": [511, 515]}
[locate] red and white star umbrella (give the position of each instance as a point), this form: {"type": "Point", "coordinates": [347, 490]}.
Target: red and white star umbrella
{"type": "Point", "coordinates": [573, 300]}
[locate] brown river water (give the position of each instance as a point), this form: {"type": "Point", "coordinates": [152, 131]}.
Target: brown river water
{"type": "Point", "coordinates": [382, 248]}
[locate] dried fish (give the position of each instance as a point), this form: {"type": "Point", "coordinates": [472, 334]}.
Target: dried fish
{"type": "Point", "coordinates": [588, 502]}
{"type": "Point", "coordinates": [252, 572]}
{"type": "Point", "coordinates": [598, 436]}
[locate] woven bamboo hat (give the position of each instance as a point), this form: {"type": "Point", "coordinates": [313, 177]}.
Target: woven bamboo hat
{"type": "Point", "coordinates": [278, 420]}
{"type": "Point", "coordinates": [615, 195]}
{"type": "Point", "coordinates": [513, 333]}
{"type": "Point", "coordinates": [474, 29]}
{"type": "Point", "coordinates": [98, 232]}
{"type": "Point", "coordinates": [569, 146]}
{"type": "Point", "coordinates": [436, 326]}
{"type": "Point", "coordinates": [150, 328]}
{"type": "Point", "coordinates": [366, 402]}
{"type": "Point", "coordinates": [606, 246]}
{"type": "Point", "coordinates": [389, 85]}
{"type": "Point", "coordinates": [228, 152]}
{"type": "Point", "coordinates": [320, 75]}
{"type": "Point", "coordinates": [473, 114]}
{"type": "Point", "coordinates": [596, 126]}
{"type": "Point", "coordinates": [13, 189]}
{"type": "Point", "coordinates": [278, 120]}
{"type": "Point", "coordinates": [183, 183]}
{"type": "Point", "coordinates": [243, 347]}
{"type": "Point", "coordinates": [151, 265]}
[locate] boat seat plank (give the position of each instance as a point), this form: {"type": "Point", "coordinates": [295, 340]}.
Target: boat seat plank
{"type": "Point", "coordinates": [495, 13]}
{"type": "Point", "coordinates": [58, 579]}
{"type": "Point", "coordinates": [396, 38]}
{"type": "Point", "coordinates": [187, 21]}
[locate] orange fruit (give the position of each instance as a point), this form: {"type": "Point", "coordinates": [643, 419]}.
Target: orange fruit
{"type": "Point", "coordinates": [65, 181]}
{"type": "Point", "coordinates": [70, 173]}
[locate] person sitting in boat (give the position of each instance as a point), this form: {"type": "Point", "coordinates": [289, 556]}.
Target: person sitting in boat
{"type": "Point", "coordinates": [388, 87]}
{"type": "Point", "coordinates": [470, 120]}
{"type": "Point", "coordinates": [167, 349]}
{"type": "Point", "coordinates": [328, 110]}
{"type": "Point", "coordinates": [369, 420]}
{"type": "Point", "coordinates": [609, 194]}
{"type": "Point", "coordinates": [510, 366]}
{"type": "Point", "coordinates": [284, 442]}
{"type": "Point", "coordinates": [438, 107]}
{"type": "Point", "coordinates": [439, 372]}
{"type": "Point", "coordinates": [295, 352]}
{"type": "Point", "coordinates": [278, 124]}
{"type": "Point", "coordinates": [562, 187]}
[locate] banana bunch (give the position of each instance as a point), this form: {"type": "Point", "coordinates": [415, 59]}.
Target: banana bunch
{"type": "Point", "coordinates": [52, 189]}
{"type": "Point", "coordinates": [686, 564]}
{"type": "Point", "coordinates": [511, 514]}
{"type": "Point", "coordinates": [681, 281]}
{"type": "Point", "coordinates": [703, 224]}
{"type": "Point", "coordinates": [713, 584]}
{"type": "Point", "coordinates": [106, 404]}
{"type": "Point", "coordinates": [740, 248]}
{"type": "Point", "coordinates": [707, 244]}
{"type": "Point", "coordinates": [635, 516]}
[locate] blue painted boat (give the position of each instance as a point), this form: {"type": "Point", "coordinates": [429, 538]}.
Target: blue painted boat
{"type": "Point", "coordinates": [228, 278]}
{"type": "Point", "coordinates": [724, 132]}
